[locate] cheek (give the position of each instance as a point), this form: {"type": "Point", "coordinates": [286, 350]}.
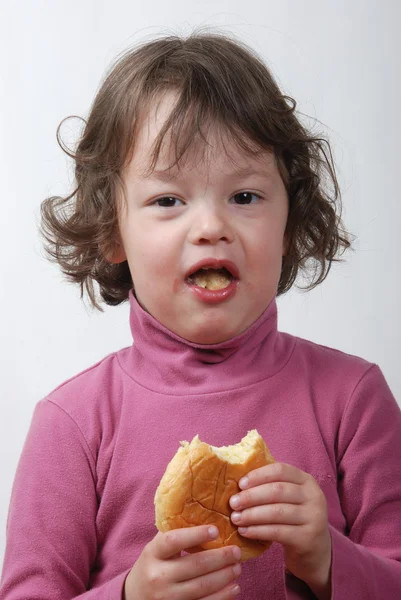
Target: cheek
{"type": "Point", "coordinates": [265, 260]}
{"type": "Point", "coordinates": [150, 264]}
{"type": "Point", "coordinates": [265, 251]}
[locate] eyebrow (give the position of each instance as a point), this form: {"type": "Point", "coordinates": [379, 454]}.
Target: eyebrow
{"type": "Point", "coordinates": [168, 175]}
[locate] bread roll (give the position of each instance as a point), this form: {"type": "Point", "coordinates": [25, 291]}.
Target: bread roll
{"type": "Point", "coordinates": [197, 486]}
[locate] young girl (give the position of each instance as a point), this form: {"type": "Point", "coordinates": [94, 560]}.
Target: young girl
{"type": "Point", "coordinates": [199, 198]}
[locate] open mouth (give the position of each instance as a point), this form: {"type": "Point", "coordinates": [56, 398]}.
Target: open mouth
{"type": "Point", "coordinates": [211, 279]}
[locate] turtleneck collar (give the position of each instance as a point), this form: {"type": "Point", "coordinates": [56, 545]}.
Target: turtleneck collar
{"type": "Point", "coordinates": [164, 362]}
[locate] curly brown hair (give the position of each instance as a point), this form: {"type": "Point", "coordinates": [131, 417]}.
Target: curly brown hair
{"type": "Point", "coordinates": [219, 80]}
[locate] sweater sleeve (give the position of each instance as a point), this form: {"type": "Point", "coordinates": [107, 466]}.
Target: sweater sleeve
{"type": "Point", "coordinates": [366, 562]}
{"type": "Point", "coordinates": [51, 526]}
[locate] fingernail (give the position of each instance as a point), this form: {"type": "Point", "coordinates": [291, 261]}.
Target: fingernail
{"type": "Point", "coordinates": [242, 530]}
{"type": "Point", "coordinates": [213, 532]}
{"type": "Point", "coordinates": [237, 552]}
{"type": "Point", "coordinates": [235, 501]}
{"type": "Point", "coordinates": [237, 569]}
{"type": "Point", "coordinates": [243, 483]}
{"type": "Point", "coordinates": [236, 516]}
{"type": "Point", "coordinates": [235, 590]}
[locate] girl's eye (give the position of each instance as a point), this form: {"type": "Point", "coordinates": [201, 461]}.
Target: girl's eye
{"type": "Point", "coordinates": [167, 202]}
{"type": "Point", "coordinates": [241, 198]}
{"type": "Point", "coordinates": [245, 197]}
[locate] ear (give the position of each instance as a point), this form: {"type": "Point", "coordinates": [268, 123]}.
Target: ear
{"type": "Point", "coordinates": [117, 255]}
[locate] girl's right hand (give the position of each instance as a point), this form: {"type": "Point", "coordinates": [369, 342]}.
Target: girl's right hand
{"type": "Point", "coordinates": [162, 573]}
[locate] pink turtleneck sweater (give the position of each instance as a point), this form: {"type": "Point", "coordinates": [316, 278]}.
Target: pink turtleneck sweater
{"type": "Point", "coordinates": [82, 508]}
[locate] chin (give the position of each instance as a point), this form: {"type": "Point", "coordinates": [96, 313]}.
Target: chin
{"type": "Point", "coordinates": [212, 335]}
{"type": "Point", "coordinates": [207, 340]}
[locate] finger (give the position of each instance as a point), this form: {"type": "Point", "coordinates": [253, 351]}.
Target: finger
{"type": "Point", "coordinates": [230, 591]}
{"type": "Point", "coordinates": [289, 514]}
{"type": "Point", "coordinates": [206, 585]}
{"type": "Point", "coordinates": [284, 534]}
{"type": "Point", "coordinates": [273, 472]}
{"type": "Point", "coordinates": [167, 545]}
{"type": "Point", "coordinates": [190, 567]}
{"type": "Point", "coordinates": [269, 493]}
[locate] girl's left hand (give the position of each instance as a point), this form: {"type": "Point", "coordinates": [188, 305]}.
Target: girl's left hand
{"type": "Point", "coordinates": [281, 503]}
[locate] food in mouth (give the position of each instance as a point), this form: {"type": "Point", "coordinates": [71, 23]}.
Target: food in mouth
{"type": "Point", "coordinates": [211, 279]}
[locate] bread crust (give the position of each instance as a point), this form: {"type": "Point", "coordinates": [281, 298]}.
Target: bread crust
{"type": "Point", "coordinates": [197, 485]}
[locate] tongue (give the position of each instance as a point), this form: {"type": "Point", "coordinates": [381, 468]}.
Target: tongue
{"type": "Point", "coordinates": [212, 279]}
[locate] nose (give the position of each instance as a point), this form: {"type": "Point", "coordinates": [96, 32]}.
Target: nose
{"type": "Point", "coordinates": [210, 224]}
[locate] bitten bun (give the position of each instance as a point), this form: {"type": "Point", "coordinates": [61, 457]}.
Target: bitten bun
{"type": "Point", "coordinates": [197, 486]}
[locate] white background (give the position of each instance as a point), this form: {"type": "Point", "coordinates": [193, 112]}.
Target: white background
{"type": "Point", "coordinates": [340, 60]}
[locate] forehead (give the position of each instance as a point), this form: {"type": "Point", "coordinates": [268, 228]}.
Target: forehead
{"type": "Point", "coordinates": [216, 148]}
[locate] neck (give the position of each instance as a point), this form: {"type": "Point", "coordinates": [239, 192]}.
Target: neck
{"type": "Point", "coordinates": [161, 360]}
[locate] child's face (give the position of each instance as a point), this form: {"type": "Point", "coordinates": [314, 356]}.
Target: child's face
{"type": "Point", "coordinates": [202, 216]}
